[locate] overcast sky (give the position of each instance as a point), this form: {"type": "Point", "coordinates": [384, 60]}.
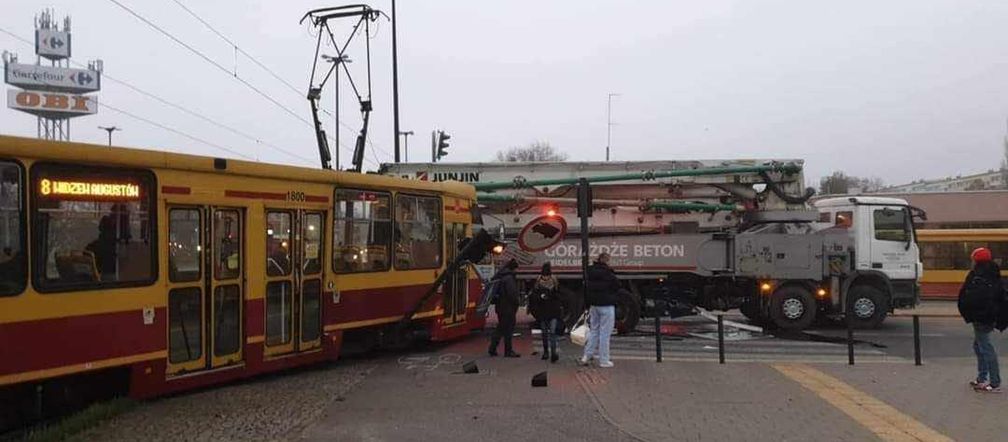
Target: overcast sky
{"type": "Point", "coordinates": [898, 89]}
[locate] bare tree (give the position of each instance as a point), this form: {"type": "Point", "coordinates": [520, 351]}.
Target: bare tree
{"type": "Point", "coordinates": [537, 151]}
{"type": "Point", "coordinates": [840, 183]}
{"type": "Point", "coordinates": [1004, 165]}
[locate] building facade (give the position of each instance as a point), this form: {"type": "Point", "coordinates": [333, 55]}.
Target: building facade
{"type": "Point", "coordinates": [990, 180]}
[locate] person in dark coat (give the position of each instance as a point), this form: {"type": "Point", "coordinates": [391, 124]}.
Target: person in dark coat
{"type": "Point", "coordinates": [507, 309]}
{"type": "Point", "coordinates": [104, 248]}
{"type": "Point", "coordinates": [603, 292]}
{"type": "Point", "coordinates": [545, 305]}
{"type": "Point", "coordinates": [982, 303]}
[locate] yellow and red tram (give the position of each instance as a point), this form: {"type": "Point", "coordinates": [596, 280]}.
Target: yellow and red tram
{"type": "Point", "coordinates": [946, 257]}
{"type": "Point", "coordinates": [180, 271]}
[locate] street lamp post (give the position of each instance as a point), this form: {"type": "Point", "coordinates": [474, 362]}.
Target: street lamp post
{"type": "Point", "coordinates": [609, 124]}
{"type": "Point", "coordinates": [406, 135]}
{"type": "Point", "coordinates": [109, 129]}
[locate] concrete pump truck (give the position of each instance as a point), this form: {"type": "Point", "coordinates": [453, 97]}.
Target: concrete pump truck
{"type": "Point", "coordinates": [716, 234]}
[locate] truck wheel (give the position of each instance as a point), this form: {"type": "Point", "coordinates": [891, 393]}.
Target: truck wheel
{"type": "Point", "coordinates": [793, 308]}
{"type": "Point", "coordinates": [867, 307]}
{"type": "Point", "coordinates": [628, 311]}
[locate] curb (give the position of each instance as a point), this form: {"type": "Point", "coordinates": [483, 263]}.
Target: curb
{"type": "Point", "coordinates": [926, 315]}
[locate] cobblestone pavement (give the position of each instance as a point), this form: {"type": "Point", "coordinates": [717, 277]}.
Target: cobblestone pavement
{"type": "Point", "coordinates": [424, 396]}
{"type": "Point", "coordinates": [273, 408]}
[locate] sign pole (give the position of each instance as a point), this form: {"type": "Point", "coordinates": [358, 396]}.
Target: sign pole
{"type": "Point", "coordinates": [584, 211]}
{"type": "Point", "coordinates": [53, 92]}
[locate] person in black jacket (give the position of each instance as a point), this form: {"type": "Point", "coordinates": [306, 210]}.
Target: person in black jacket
{"type": "Point", "coordinates": [603, 292]}
{"type": "Point", "coordinates": [545, 305]}
{"type": "Point", "coordinates": [507, 309]}
{"type": "Point", "coordinates": [982, 303]}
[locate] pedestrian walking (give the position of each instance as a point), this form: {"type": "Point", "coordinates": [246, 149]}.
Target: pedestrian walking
{"type": "Point", "coordinates": [603, 288]}
{"type": "Point", "coordinates": [507, 309]}
{"type": "Point", "coordinates": [545, 306]}
{"type": "Point", "coordinates": [982, 303]}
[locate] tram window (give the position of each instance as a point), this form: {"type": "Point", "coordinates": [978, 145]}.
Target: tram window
{"type": "Point", "coordinates": [955, 255]}
{"type": "Point", "coordinates": [184, 249]}
{"type": "Point", "coordinates": [362, 231]}
{"type": "Point", "coordinates": [185, 333]}
{"type": "Point", "coordinates": [311, 325]}
{"type": "Point", "coordinates": [92, 227]}
{"type": "Point", "coordinates": [418, 232]}
{"type": "Point", "coordinates": [312, 250]}
{"type": "Point", "coordinates": [227, 320]}
{"type": "Point", "coordinates": [891, 225]}
{"type": "Point", "coordinates": [278, 312]}
{"type": "Point", "coordinates": [278, 243]}
{"type": "Point", "coordinates": [227, 244]}
{"type": "Point", "coordinates": [12, 257]}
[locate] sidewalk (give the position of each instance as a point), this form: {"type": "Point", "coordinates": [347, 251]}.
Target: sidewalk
{"type": "Point", "coordinates": [936, 394]}
{"type": "Point", "coordinates": [424, 396]}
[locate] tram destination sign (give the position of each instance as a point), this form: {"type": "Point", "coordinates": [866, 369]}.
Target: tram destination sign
{"type": "Point", "coordinates": [52, 78]}
{"type": "Point", "coordinates": [88, 190]}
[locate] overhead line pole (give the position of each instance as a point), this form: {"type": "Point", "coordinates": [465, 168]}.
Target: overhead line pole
{"type": "Point", "coordinates": [609, 124]}
{"type": "Point", "coordinates": [395, 83]}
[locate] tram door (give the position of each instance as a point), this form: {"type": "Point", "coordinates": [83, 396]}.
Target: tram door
{"type": "Point", "coordinates": [205, 277]}
{"type": "Point", "coordinates": [294, 251]}
{"type": "Point", "coordinates": [456, 288]}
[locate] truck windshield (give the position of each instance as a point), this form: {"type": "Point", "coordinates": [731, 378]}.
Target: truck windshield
{"type": "Point", "coordinates": [891, 225]}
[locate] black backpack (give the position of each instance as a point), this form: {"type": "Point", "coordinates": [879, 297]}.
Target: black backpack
{"type": "Point", "coordinates": [980, 299]}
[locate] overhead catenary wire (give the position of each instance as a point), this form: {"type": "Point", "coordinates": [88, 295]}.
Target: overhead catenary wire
{"type": "Point", "coordinates": [175, 131]}
{"type": "Point", "coordinates": [179, 107]}
{"type": "Point", "coordinates": [273, 73]}
{"type": "Point", "coordinates": [238, 48]}
{"type": "Point", "coordinates": [209, 60]}
{"type": "Point", "coordinates": [214, 63]}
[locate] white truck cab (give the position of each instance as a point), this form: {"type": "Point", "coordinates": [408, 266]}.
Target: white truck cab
{"type": "Point", "coordinates": [886, 251]}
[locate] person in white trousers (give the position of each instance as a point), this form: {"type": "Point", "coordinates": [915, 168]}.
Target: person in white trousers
{"type": "Point", "coordinates": [603, 292]}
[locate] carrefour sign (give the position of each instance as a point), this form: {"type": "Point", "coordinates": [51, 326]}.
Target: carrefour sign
{"type": "Point", "coordinates": [31, 76]}
{"type": "Point", "coordinates": [52, 44]}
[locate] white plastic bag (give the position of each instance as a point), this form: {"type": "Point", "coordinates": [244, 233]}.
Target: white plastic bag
{"type": "Point", "coordinates": [579, 334]}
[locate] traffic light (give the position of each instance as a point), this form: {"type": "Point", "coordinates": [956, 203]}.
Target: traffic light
{"type": "Point", "coordinates": [442, 144]}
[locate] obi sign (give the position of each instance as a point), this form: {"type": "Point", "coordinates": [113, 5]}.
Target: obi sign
{"type": "Point", "coordinates": [542, 233]}
{"type": "Point", "coordinates": [49, 104]}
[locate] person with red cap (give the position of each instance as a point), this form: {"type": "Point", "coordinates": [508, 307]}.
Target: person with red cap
{"type": "Point", "coordinates": [982, 303]}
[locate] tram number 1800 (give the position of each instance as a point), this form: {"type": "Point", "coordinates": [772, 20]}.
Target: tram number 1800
{"type": "Point", "coordinates": [296, 196]}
